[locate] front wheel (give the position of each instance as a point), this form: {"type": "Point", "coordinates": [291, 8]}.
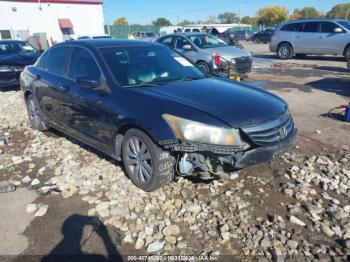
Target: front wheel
{"type": "Point", "coordinates": [147, 165]}
{"type": "Point", "coordinates": [204, 67]}
{"type": "Point", "coordinates": [285, 51]}
{"type": "Point", "coordinates": [34, 114]}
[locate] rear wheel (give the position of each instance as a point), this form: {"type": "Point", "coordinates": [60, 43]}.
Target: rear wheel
{"type": "Point", "coordinates": [285, 51]}
{"type": "Point", "coordinates": [347, 53]}
{"type": "Point", "coordinates": [147, 165]}
{"type": "Point", "coordinates": [34, 114]}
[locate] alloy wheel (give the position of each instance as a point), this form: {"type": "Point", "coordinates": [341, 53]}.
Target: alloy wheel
{"type": "Point", "coordinates": [285, 51]}
{"type": "Point", "coordinates": [139, 160]}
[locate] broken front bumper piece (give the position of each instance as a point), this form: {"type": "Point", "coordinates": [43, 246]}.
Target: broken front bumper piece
{"type": "Point", "coordinates": [217, 158]}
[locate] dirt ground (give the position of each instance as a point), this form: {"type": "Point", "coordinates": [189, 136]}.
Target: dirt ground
{"type": "Point", "coordinates": [312, 86]}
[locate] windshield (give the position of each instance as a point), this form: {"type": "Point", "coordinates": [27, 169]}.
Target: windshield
{"type": "Point", "coordinates": [145, 65]}
{"type": "Point", "coordinates": [16, 47]}
{"type": "Point", "coordinates": [207, 41]}
{"type": "Point", "coordinates": [150, 34]}
{"type": "Point", "coordinates": [344, 23]}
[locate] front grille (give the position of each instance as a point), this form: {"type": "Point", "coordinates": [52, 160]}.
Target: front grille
{"type": "Point", "coordinates": [272, 132]}
{"type": "Point", "coordinates": [243, 64]}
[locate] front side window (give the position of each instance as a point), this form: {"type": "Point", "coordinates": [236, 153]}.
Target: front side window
{"type": "Point", "coordinates": [82, 64]}
{"type": "Point", "coordinates": [154, 65]}
{"type": "Point", "coordinates": [328, 27]}
{"type": "Point", "coordinates": [206, 41]}
{"type": "Point", "coordinates": [311, 27]}
{"type": "Point", "coordinates": [345, 23]}
{"type": "Point", "coordinates": [57, 60]}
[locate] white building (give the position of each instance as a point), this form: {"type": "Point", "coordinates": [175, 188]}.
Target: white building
{"type": "Point", "coordinates": [58, 19]}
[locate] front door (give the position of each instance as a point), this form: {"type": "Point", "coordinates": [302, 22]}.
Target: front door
{"type": "Point", "coordinates": [89, 109]}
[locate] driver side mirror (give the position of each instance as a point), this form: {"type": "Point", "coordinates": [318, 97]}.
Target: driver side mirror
{"type": "Point", "coordinates": [187, 48]}
{"type": "Point", "coordinates": [87, 82]}
{"type": "Point", "coordinates": [338, 30]}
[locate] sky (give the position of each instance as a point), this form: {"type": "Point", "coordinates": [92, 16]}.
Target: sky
{"type": "Point", "coordinates": [145, 11]}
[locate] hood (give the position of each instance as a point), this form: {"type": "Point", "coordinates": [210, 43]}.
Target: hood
{"type": "Point", "coordinates": [19, 59]}
{"type": "Point", "coordinates": [229, 51]}
{"type": "Point", "coordinates": [235, 104]}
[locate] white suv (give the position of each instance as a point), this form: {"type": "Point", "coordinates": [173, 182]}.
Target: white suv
{"type": "Point", "coordinates": [313, 36]}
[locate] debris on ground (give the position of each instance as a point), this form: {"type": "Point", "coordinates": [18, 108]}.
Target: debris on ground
{"type": "Point", "coordinates": [7, 186]}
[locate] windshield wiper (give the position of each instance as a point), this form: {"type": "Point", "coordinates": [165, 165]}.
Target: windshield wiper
{"type": "Point", "coordinates": [145, 84]}
{"type": "Point", "coordinates": [187, 79]}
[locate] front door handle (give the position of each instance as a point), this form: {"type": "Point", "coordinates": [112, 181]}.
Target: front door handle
{"type": "Point", "coordinates": [297, 36]}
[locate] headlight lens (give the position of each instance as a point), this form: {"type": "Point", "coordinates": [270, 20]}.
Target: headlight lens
{"type": "Point", "coordinates": [6, 69]}
{"type": "Point", "coordinates": [185, 129]}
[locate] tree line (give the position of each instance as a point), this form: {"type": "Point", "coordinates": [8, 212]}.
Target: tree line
{"type": "Point", "coordinates": [268, 16]}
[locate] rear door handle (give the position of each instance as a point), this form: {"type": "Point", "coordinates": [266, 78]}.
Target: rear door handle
{"type": "Point", "coordinates": [62, 89]}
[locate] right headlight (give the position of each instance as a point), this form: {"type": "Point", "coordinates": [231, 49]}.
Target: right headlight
{"type": "Point", "coordinates": [188, 130]}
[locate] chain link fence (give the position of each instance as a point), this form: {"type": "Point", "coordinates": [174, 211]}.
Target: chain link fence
{"type": "Point", "coordinates": [123, 31]}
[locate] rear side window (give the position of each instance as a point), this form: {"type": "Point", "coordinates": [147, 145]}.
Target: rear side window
{"type": "Point", "coordinates": [311, 27]}
{"type": "Point", "coordinates": [43, 61]}
{"type": "Point", "coordinates": [295, 27]}
{"type": "Point", "coordinates": [181, 42]}
{"type": "Point", "coordinates": [168, 41]}
{"type": "Point", "coordinates": [328, 27]}
{"type": "Point", "coordinates": [57, 60]}
{"type": "Point", "coordinates": [82, 64]}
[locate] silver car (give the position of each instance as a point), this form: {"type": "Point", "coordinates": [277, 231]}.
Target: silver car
{"type": "Point", "coordinates": [313, 36]}
{"type": "Point", "coordinates": [210, 53]}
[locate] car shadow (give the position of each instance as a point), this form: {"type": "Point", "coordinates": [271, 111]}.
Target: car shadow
{"type": "Point", "coordinates": [9, 88]}
{"type": "Point", "coordinates": [70, 247]}
{"type": "Point", "coordinates": [307, 58]}
{"type": "Point", "coordinates": [338, 86]}
{"type": "Point", "coordinates": [333, 69]}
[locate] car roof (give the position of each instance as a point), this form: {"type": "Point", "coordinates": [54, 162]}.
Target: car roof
{"type": "Point", "coordinates": [316, 20]}
{"type": "Point", "coordinates": [187, 33]}
{"type": "Point", "coordinates": [106, 42]}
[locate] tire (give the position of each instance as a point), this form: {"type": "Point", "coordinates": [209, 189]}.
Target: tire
{"type": "Point", "coordinates": [347, 53]}
{"type": "Point", "coordinates": [34, 114]}
{"type": "Point", "coordinates": [300, 55]}
{"type": "Point", "coordinates": [285, 51]}
{"type": "Point", "coordinates": [147, 165]}
{"type": "Point", "coordinates": [204, 67]}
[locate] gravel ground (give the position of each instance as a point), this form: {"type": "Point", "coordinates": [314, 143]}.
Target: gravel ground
{"type": "Point", "coordinates": [296, 207]}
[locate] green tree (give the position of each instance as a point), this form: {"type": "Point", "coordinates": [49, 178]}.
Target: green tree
{"type": "Point", "coordinates": [249, 20]}
{"type": "Point", "coordinates": [161, 21]}
{"type": "Point", "coordinates": [306, 12]}
{"type": "Point", "coordinates": [271, 16]}
{"type": "Point", "coordinates": [228, 18]}
{"type": "Point", "coordinates": [341, 11]}
{"type": "Point", "coordinates": [121, 21]}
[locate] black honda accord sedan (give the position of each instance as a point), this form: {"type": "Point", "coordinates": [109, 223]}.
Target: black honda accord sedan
{"type": "Point", "coordinates": [150, 107]}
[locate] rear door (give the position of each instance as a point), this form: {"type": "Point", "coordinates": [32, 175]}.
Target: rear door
{"type": "Point", "coordinates": [89, 107]}
{"type": "Point", "coordinates": [307, 41]}
{"type": "Point", "coordinates": [332, 42]}
{"type": "Point", "coordinates": [51, 85]}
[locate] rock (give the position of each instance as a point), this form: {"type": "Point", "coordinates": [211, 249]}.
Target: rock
{"type": "Point", "coordinates": [128, 239]}
{"type": "Point", "coordinates": [292, 244]}
{"type": "Point", "coordinates": [297, 221]}
{"type": "Point", "coordinates": [26, 179]}
{"type": "Point", "coordinates": [32, 208]}
{"type": "Point", "coordinates": [318, 132]}
{"type": "Point", "coordinates": [225, 236]}
{"type": "Point", "coordinates": [170, 239]}
{"type": "Point", "coordinates": [16, 160]}
{"type": "Point", "coordinates": [41, 211]}
{"type": "Point", "coordinates": [172, 230]}
{"type": "Point", "coordinates": [234, 176]}
{"type": "Point", "coordinates": [195, 209]}
{"type": "Point", "coordinates": [7, 186]}
{"type": "Point", "coordinates": [35, 182]}
{"type": "Point", "coordinates": [326, 230]}
{"type": "Point", "coordinates": [265, 243]}
{"type": "Point", "coordinates": [155, 246]}
{"type": "Point", "coordinates": [347, 244]}
{"type": "Point", "coordinates": [139, 243]}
